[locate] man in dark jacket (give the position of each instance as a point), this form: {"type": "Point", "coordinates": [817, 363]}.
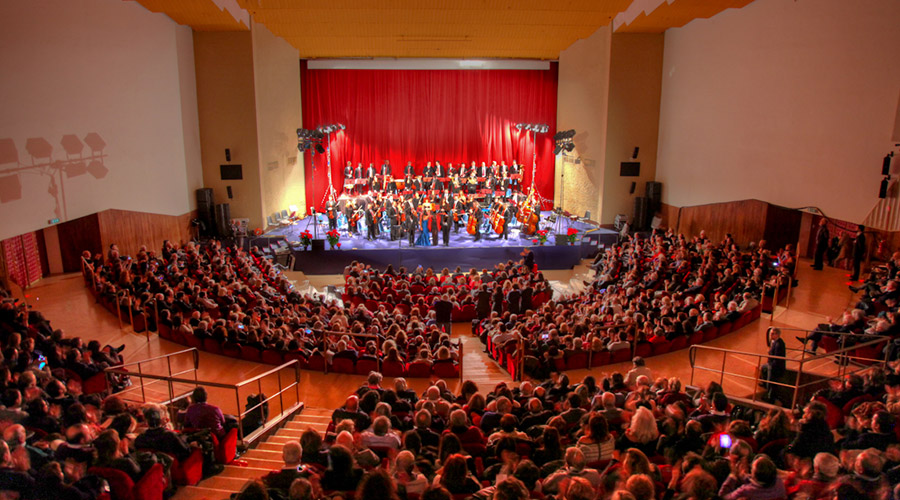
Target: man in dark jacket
{"type": "Point", "coordinates": [773, 370]}
{"type": "Point", "coordinates": [822, 240]}
{"type": "Point", "coordinates": [859, 251]}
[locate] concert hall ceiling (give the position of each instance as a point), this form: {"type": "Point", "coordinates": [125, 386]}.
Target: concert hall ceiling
{"type": "Point", "coordinates": [508, 29]}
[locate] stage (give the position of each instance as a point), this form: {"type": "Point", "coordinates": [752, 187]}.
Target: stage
{"type": "Point", "coordinates": [462, 250]}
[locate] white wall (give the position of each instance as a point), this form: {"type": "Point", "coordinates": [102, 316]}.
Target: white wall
{"type": "Point", "coordinates": [790, 102]}
{"type": "Point", "coordinates": [107, 67]}
{"type": "Point", "coordinates": [582, 105]}
{"type": "Point", "coordinates": [276, 72]}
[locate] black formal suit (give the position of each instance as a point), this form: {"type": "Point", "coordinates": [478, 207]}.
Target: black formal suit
{"type": "Point", "coordinates": [386, 169]}
{"type": "Point", "coordinates": [822, 240]}
{"type": "Point", "coordinates": [409, 171]}
{"type": "Point", "coordinates": [483, 303]}
{"type": "Point", "coordinates": [774, 369]}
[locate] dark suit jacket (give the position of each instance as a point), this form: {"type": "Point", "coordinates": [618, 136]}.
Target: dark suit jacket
{"type": "Point", "coordinates": [164, 440]}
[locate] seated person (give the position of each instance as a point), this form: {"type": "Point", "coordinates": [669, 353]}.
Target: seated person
{"type": "Point", "coordinates": [202, 415]}
{"type": "Point", "coordinates": [282, 479]}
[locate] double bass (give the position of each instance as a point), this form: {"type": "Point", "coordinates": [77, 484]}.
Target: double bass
{"type": "Point", "coordinates": [472, 226]}
{"type": "Point", "coordinates": [497, 220]}
{"type": "Point", "coordinates": [530, 220]}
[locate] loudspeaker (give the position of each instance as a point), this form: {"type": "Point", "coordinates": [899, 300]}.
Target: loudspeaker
{"type": "Point", "coordinates": [227, 154]}
{"type": "Point", "coordinates": [882, 191]}
{"type": "Point", "coordinates": [634, 156]}
{"type": "Point", "coordinates": [228, 188]}
{"type": "Point", "coordinates": [223, 220]}
{"type": "Point", "coordinates": [561, 240]}
{"type": "Point", "coordinates": [886, 165]}
{"type": "Point", "coordinates": [320, 149]}
{"type": "Point", "coordinates": [641, 214]}
{"type": "Point", "coordinates": [654, 196]}
{"type": "Point", "coordinates": [318, 245]}
{"type": "Point", "coordinates": [633, 185]}
{"type": "Point", "coordinates": [205, 210]}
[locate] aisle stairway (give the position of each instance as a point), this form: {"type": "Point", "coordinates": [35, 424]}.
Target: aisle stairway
{"type": "Point", "coordinates": [256, 462]}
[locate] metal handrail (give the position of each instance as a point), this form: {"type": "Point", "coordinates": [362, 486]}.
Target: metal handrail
{"type": "Point", "coordinates": [173, 379]}
{"type": "Point", "coordinates": [844, 352]}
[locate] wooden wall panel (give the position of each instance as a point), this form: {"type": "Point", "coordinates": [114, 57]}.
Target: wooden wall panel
{"type": "Point", "coordinates": [131, 230]}
{"type": "Point", "coordinates": [782, 227]}
{"type": "Point", "coordinates": [745, 220]}
{"type": "Point", "coordinates": [76, 236]}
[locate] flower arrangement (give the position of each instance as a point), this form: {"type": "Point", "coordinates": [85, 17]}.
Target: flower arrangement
{"type": "Point", "coordinates": [334, 237]}
{"type": "Point", "coordinates": [572, 234]}
{"type": "Point", "coordinates": [306, 239]}
{"type": "Point", "coordinates": [541, 236]}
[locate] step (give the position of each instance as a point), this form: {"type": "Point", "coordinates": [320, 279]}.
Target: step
{"type": "Point", "coordinates": [201, 493]}
{"type": "Point", "coordinates": [262, 463]}
{"type": "Point", "coordinates": [266, 445]}
{"type": "Point", "coordinates": [264, 453]}
{"type": "Point", "coordinates": [248, 472]}
{"type": "Point", "coordinates": [220, 482]}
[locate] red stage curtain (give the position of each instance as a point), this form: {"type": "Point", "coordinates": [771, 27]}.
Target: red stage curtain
{"type": "Point", "coordinates": [450, 116]}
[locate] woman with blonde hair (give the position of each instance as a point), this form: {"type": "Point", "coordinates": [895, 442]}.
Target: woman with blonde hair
{"type": "Point", "coordinates": [642, 433]}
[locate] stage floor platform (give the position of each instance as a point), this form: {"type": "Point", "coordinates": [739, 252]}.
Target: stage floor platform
{"type": "Point", "coordinates": [462, 250]}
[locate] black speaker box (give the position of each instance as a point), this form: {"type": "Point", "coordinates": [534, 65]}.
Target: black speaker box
{"type": "Point", "coordinates": [205, 210]}
{"type": "Point", "coordinates": [318, 245]}
{"type": "Point", "coordinates": [641, 214]}
{"type": "Point", "coordinates": [561, 240]}
{"type": "Point", "coordinates": [223, 220]}
{"type": "Point", "coordinates": [654, 195]}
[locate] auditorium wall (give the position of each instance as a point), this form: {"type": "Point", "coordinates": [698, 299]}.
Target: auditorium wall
{"type": "Point", "coordinates": [582, 105]}
{"type": "Point", "coordinates": [276, 71]}
{"type": "Point", "coordinates": [635, 79]}
{"type": "Point", "coordinates": [98, 112]}
{"type": "Point", "coordinates": [788, 102]}
{"type": "Point", "coordinates": [226, 103]}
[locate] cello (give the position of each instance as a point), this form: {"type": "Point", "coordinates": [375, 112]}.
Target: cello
{"type": "Point", "coordinates": [472, 226]}
{"type": "Point", "coordinates": [530, 222]}
{"type": "Point", "coordinates": [497, 220]}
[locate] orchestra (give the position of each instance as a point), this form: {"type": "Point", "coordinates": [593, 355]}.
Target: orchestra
{"type": "Point", "coordinates": [485, 199]}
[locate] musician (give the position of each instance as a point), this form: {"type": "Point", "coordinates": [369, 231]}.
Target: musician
{"type": "Point", "coordinates": [370, 176]}
{"type": "Point", "coordinates": [483, 172]}
{"type": "Point", "coordinates": [428, 171]}
{"type": "Point", "coordinates": [348, 175]}
{"type": "Point", "coordinates": [436, 184]}
{"type": "Point", "coordinates": [489, 187]}
{"type": "Point", "coordinates": [495, 169]}
{"type": "Point", "coordinates": [358, 174]}
{"type": "Point", "coordinates": [440, 170]}
{"type": "Point", "coordinates": [390, 187]}
{"type": "Point", "coordinates": [509, 214]}
{"type": "Point", "coordinates": [463, 171]}
{"type": "Point", "coordinates": [386, 168]}
{"type": "Point", "coordinates": [473, 170]}
{"type": "Point", "coordinates": [459, 208]}
{"type": "Point", "coordinates": [434, 224]}
{"type": "Point", "coordinates": [416, 184]}
{"type": "Point", "coordinates": [452, 171]}
{"type": "Point", "coordinates": [455, 188]}
{"type": "Point", "coordinates": [514, 170]}
{"type": "Point", "coordinates": [409, 170]}
{"type": "Point", "coordinates": [393, 212]}
{"type": "Point", "coordinates": [331, 212]}
{"type": "Point", "coordinates": [371, 225]}
{"type": "Point", "coordinates": [472, 186]}
{"type": "Point", "coordinates": [424, 239]}
{"type": "Point", "coordinates": [411, 223]}
{"type": "Point", "coordinates": [445, 222]}
{"type": "Point", "coordinates": [503, 170]}
{"type": "Point", "coordinates": [479, 218]}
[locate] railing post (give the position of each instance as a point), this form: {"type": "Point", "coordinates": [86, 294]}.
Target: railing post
{"type": "Point", "coordinates": [297, 380]}
{"type": "Point", "coordinates": [722, 378]}
{"type": "Point", "coordinates": [130, 310]}
{"type": "Point", "coordinates": [140, 375]}
{"type": "Point", "coordinates": [774, 300]}
{"type": "Point", "coordinates": [156, 312]}
{"type": "Point", "coordinates": [240, 414]}
{"type": "Point", "coordinates": [118, 309]}
{"type": "Point", "coordinates": [280, 396]}
{"type": "Point", "coordinates": [756, 381]}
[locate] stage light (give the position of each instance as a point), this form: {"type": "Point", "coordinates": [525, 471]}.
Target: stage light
{"type": "Point", "coordinates": [519, 126]}
{"type": "Point", "coordinates": [570, 146]}
{"type": "Point", "coordinates": [557, 150]}
{"type": "Point", "coordinates": [342, 126]}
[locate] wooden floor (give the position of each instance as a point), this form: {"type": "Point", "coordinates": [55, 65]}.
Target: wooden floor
{"type": "Point", "coordinates": [68, 305]}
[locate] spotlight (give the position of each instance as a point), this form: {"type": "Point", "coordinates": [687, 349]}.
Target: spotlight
{"type": "Point", "coordinates": [519, 126]}
{"type": "Point", "coordinates": [342, 126]}
{"type": "Point", "coordinates": [570, 146]}
{"type": "Point", "coordinates": [557, 150]}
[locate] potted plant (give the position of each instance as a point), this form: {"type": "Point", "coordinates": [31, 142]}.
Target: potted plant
{"type": "Point", "coordinates": [541, 237]}
{"type": "Point", "coordinates": [306, 239]}
{"type": "Point", "coordinates": [572, 234]}
{"type": "Point", "coordinates": [334, 237]}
